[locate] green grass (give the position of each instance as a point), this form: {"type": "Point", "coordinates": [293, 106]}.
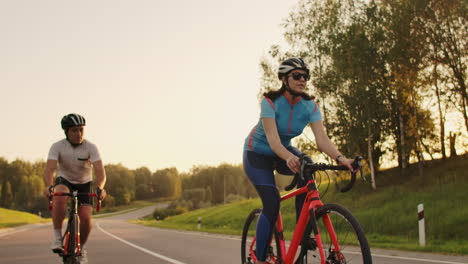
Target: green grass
{"type": "Point", "coordinates": [12, 218]}
{"type": "Point", "coordinates": [388, 214]}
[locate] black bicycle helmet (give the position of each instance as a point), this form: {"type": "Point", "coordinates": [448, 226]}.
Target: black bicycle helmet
{"type": "Point", "coordinates": [71, 120]}
{"type": "Point", "coordinates": [291, 64]}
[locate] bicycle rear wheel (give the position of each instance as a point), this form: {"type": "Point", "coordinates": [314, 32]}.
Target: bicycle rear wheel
{"type": "Point", "coordinates": [354, 248]}
{"type": "Point", "coordinates": [248, 244]}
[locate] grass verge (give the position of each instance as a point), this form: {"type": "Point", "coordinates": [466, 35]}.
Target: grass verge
{"type": "Point", "coordinates": [12, 218]}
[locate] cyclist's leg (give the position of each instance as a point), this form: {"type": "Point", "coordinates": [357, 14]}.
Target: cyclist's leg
{"type": "Point", "coordinates": [59, 212]}
{"type": "Point", "coordinates": [259, 169]}
{"type": "Point", "coordinates": [282, 168]}
{"type": "Point", "coordinates": [84, 211]}
{"type": "Point", "coordinates": [59, 209]}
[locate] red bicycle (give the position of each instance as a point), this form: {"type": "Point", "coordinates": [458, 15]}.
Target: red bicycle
{"type": "Point", "coordinates": [71, 237]}
{"type": "Point", "coordinates": [324, 233]}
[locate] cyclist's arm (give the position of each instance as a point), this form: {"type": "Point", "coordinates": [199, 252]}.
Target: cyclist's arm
{"type": "Point", "coordinates": [100, 175]}
{"type": "Point", "coordinates": [49, 171]}
{"type": "Point", "coordinates": [271, 132]}
{"type": "Point", "coordinates": [324, 144]}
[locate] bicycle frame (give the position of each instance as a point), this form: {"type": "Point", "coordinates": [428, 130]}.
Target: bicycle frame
{"type": "Point", "coordinates": [311, 203]}
{"type": "Point", "coordinates": [307, 223]}
{"type": "Point", "coordinates": [73, 211]}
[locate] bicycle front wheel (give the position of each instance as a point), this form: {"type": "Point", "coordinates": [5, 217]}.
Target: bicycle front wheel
{"type": "Point", "coordinates": [353, 245]}
{"type": "Point", "coordinates": [248, 244]}
{"type": "Point", "coordinates": [73, 230]}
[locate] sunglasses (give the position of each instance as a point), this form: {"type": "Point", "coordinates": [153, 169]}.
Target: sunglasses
{"type": "Point", "coordinates": [297, 76]}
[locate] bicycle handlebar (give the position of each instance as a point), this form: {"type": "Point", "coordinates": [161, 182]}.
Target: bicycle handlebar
{"type": "Point", "coordinates": [75, 194]}
{"type": "Point", "coordinates": [308, 169]}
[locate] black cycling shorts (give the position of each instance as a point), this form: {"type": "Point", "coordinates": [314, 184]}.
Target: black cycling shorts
{"type": "Point", "coordinates": [81, 188]}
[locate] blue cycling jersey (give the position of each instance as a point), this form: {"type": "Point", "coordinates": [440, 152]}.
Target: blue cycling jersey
{"type": "Point", "coordinates": [291, 115]}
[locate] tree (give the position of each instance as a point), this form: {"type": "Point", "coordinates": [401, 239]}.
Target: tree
{"type": "Point", "coordinates": [144, 189]}
{"type": "Point", "coordinates": [195, 195]}
{"type": "Point", "coordinates": [368, 67]}
{"type": "Point", "coordinates": [446, 31]}
{"type": "Point", "coordinates": [167, 183]}
{"type": "Point", "coordinates": [120, 183]}
{"type": "Point", "coordinates": [7, 196]}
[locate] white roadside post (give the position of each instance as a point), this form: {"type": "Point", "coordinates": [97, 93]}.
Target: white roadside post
{"type": "Point", "coordinates": [422, 232]}
{"type": "Point", "coordinates": [199, 222]}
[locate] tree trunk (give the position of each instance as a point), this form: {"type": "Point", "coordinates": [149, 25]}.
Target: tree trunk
{"type": "Point", "coordinates": [403, 164]}
{"type": "Point", "coordinates": [371, 159]}
{"type": "Point", "coordinates": [458, 72]}
{"type": "Point", "coordinates": [419, 152]}
{"type": "Point", "coordinates": [453, 150]}
{"type": "Point", "coordinates": [441, 115]}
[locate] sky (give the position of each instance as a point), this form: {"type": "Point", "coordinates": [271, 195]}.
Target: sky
{"type": "Point", "coordinates": [160, 83]}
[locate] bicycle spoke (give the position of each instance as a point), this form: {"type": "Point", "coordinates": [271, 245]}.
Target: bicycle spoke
{"type": "Point", "coordinates": [248, 245]}
{"type": "Point", "coordinates": [353, 247]}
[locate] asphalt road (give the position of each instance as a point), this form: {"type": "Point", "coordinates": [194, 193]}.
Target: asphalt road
{"type": "Point", "coordinates": [114, 240]}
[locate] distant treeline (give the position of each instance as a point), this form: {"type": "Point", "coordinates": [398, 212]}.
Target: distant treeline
{"type": "Point", "coordinates": [22, 185]}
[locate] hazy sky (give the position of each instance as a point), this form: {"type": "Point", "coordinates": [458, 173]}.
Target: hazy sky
{"type": "Point", "coordinates": [160, 83]}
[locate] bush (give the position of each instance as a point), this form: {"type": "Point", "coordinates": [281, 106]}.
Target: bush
{"type": "Point", "coordinates": [162, 213]}
{"type": "Point", "coordinates": [205, 204]}
{"type": "Point", "coordinates": [234, 198]}
{"type": "Point", "coordinates": [181, 203]}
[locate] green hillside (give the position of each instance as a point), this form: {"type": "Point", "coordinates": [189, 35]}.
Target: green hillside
{"type": "Point", "coordinates": [11, 218]}
{"type": "Point", "coordinates": [388, 215]}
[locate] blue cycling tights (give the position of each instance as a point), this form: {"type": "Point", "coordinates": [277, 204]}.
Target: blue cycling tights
{"type": "Point", "coordinates": [260, 170]}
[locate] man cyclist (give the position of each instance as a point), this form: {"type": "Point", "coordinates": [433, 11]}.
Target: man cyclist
{"type": "Point", "coordinates": [73, 158]}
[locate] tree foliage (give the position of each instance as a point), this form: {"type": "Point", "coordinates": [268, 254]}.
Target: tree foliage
{"type": "Point", "coordinates": [22, 185]}
{"type": "Point", "coordinates": [371, 65]}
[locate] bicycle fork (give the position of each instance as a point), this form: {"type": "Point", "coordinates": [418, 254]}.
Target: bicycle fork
{"type": "Point", "coordinates": [312, 226]}
{"type": "Point", "coordinates": [307, 244]}
{"type": "Point", "coordinates": [73, 219]}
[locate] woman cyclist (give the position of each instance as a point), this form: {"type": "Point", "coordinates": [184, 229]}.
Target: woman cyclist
{"type": "Point", "coordinates": [284, 114]}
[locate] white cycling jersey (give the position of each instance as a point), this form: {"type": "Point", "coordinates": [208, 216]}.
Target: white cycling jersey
{"type": "Point", "coordinates": [75, 163]}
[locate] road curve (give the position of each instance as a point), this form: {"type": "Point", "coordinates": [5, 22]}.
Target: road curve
{"type": "Point", "coordinates": [116, 241]}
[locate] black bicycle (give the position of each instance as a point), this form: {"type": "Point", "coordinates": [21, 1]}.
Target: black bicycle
{"type": "Point", "coordinates": [71, 238]}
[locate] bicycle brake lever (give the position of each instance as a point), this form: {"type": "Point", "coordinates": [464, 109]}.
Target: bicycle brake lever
{"type": "Point", "coordinates": [303, 163]}
{"type": "Point", "coordinates": [357, 163]}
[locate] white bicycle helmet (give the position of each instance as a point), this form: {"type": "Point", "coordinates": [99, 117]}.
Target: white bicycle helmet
{"type": "Point", "coordinates": [291, 64]}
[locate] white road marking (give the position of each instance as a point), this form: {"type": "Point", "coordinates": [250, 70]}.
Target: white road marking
{"type": "Point", "coordinates": [287, 243]}
{"type": "Point", "coordinates": [140, 248]}
{"type": "Point", "coordinates": [417, 259]}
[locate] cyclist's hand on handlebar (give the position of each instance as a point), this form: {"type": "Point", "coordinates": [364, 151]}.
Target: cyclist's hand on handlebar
{"type": "Point", "coordinates": [49, 191]}
{"type": "Point", "coordinates": [102, 193]}
{"type": "Point", "coordinates": [294, 163]}
{"type": "Point", "coordinates": [348, 163]}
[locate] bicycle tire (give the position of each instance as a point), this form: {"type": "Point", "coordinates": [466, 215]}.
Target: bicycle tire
{"type": "Point", "coordinates": [354, 248]}
{"type": "Point", "coordinates": [73, 228]}
{"type": "Point", "coordinates": [248, 238]}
